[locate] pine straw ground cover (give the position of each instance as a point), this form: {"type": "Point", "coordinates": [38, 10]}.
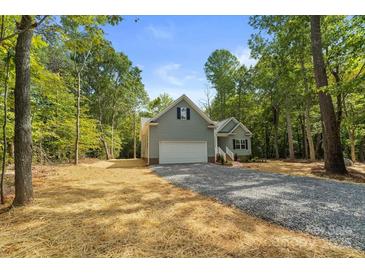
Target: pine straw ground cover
{"type": "Point", "coordinates": [99, 209]}
{"type": "Point", "coordinates": [304, 168]}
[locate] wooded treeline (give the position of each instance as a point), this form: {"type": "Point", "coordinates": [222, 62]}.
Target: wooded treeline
{"type": "Point", "coordinates": [285, 100]}
{"type": "Point", "coordinates": [72, 64]}
{"type": "Point", "coordinates": [66, 94]}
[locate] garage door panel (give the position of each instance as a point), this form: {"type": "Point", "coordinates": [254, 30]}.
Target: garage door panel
{"type": "Point", "coordinates": [182, 152]}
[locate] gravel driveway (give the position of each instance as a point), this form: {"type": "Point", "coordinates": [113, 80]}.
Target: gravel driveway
{"type": "Point", "coordinates": [325, 208]}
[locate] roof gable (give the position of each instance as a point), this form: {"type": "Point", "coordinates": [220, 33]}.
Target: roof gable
{"type": "Point", "coordinates": [190, 103]}
{"type": "Point", "coordinates": [225, 122]}
{"type": "Point", "coordinates": [229, 126]}
{"type": "Point", "coordinates": [248, 133]}
{"type": "Point", "coordinates": [221, 124]}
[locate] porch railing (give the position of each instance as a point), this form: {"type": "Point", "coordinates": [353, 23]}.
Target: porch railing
{"type": "Point", "coordinates": [222, 154]}
{"type": "Point", "coordinates": [230, 153]}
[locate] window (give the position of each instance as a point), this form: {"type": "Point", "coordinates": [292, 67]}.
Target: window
{"type": "Point", "coordinates": [183, 113]}
{"type": "Point", "coordinates": [243, 144]}
{"type": "Point", "coordinates": [236, 144]}
{"type": "Point", "coordinates": [240, 144]}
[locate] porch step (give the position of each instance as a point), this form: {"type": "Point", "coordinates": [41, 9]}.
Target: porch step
{"type": "Point", "coordinates": [229, 158]}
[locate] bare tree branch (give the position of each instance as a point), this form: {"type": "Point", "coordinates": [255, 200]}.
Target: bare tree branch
{"type": "Point", "coordinates": [85, 59]}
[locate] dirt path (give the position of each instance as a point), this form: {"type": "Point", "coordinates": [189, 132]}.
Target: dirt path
{"type": "Point", "coordinates": [104, 209]}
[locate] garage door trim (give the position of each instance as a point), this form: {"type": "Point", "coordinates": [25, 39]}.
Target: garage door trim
{"type": "Point", "coordinates": [205, 156]}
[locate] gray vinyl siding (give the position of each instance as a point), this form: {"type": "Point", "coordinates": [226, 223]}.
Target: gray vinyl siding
{"type": "Point", "coordinates": [228, 127]}
{"type": "Point", "coordinates": [228, 141]}
{"type": "Point", "coordinates": [169, 128]}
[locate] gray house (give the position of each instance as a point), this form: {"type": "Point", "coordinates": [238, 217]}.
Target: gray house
{"type": "Point", "coordinates": [183, 133]}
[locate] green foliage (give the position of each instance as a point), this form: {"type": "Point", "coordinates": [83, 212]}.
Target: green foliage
{"type": "Point", "coordinates": [110, 86]}
{"type": "Point", "coordinates": [221, 69]}
{"type": "Point", "coordinates": [158, 104]}
{"type": "Point", "coordinates": [113, 97]}
{"type": "Point", "coordinates": [282, 84]}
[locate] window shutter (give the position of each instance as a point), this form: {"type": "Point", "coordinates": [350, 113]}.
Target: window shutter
{"type": "Point", "coordinates": [246, 144]}
{"type": "Point", "coordinates": [187, 113]}
{"type": "Point", "coordinates": [178, 113]}
{"type": "Point", "coordinates": [234, 144]}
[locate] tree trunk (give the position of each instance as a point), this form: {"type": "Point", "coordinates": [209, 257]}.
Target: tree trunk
{"type": "Point", "coordinates": [42, 156]}
{"type": "Point", "coordinates": [319, 140]}
{"type": "Point", "coordinates": [362, 150]}
{"type": "Point", "coordinates": [112, 145]}
{"type": "Point", "coordinates": [334, 161]}
{"type": "Point", "coordinates": [352, 144]}
{"type": "Point", "coordinates": [105, 144]}
{"type": "Point", "coordinates": [323, 146]}
{"type": "Point", "coordinates": [266, 141]}
{"type": "Point", "coordinates": [276, 146]}
{"type": "Point", "coordinates": [11, 150]}
{"type": "Point", "coordinates": [222, 116]}
{"type": "Point", "coordinates": [240, 103]}
{"type": "Point", "coordinates": [290, 136]}
{"type": "Point", "coordinates": [224, 106]}
{"type": "Point", "coordinates": [2, 190]}
{"type": "Point", "coordinates": [276, 126]}
{"type": "Point", "coordinates": [134, 137]}
{"type": "Point", "coordinates": [78, 119]}
{"type": "Point", "coordinates": [23, 127]}
{"type": "Point", "coordinates": [307, 124]}
{"type": "Point", "coordinates": [304, 137]}
{"type": "Point", "coordinates": [336, 75]}
{"type": "Point", "coordinates": [308, 133]}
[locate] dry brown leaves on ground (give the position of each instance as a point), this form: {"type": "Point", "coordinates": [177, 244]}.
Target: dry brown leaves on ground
{"type": "Point", "coordinates": [101, 209]}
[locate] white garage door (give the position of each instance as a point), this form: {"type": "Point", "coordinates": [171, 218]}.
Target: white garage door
{"type": "Point", "coordinates": [183, 152]}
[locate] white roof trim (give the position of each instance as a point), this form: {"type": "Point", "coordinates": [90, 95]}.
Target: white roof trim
{"type": "Point", "coordinates": [238, 124]}
{"type": "Point", "coordinates": [224, 124]}
{"type": "Point", "coordinates": [191, 103]}
{"type": "Point", "coordinates": [242, 126]}
{"type": "Point", "coordinates": [222, 134]}
{"type": "Point", "coordinates": [233, 129]}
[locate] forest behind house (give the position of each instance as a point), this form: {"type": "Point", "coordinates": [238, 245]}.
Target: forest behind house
{"type": "Point", "coordinates": [303, 99]}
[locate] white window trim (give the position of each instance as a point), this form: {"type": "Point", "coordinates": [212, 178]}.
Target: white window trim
{"type": "Point", "coordinates": [241, 144]}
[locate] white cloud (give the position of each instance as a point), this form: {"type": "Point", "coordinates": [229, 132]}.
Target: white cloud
{"type": "Point", "coordinates": [193, 75]}
{"type": "Point", "coordinates": [244, 55]}
{"type": "Point", "coordinates": [173, 74]}
{"type": "Point", "coordinates": [140, 66]}
{"type": "Point", "coordinates": [159, 32]}
{"type": "Point", "coordinates": [168, 74]}
{"type": "Point", "coordinates": [175, 80]}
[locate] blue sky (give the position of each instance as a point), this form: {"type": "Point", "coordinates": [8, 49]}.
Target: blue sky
{"type": "Point", "coordinates": [172, 50]}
